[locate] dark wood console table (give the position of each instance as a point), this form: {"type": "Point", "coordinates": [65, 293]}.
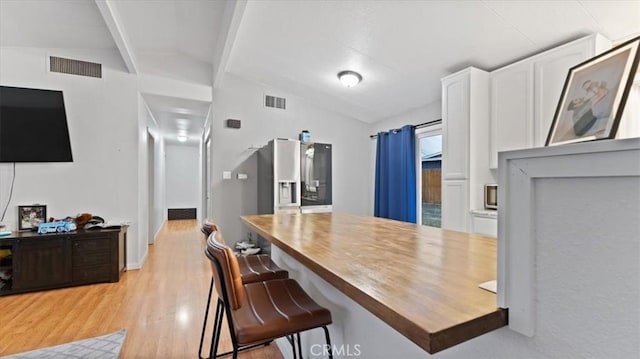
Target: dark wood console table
{"type": "Point", "coordinates": [57, 260]}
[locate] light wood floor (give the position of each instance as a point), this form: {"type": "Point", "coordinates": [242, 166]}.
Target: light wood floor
{"type": "Point", "coordinates": [161, 306]}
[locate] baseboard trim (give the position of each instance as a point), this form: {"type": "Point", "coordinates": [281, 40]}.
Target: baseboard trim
{"type": "Point", "coordinates": [138, 265]}
{"type": "Point", "coordinates": [182, 213]}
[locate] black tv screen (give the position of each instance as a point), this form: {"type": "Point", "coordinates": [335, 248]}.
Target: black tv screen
{"type": "Point", "coordinates": [33, 126]}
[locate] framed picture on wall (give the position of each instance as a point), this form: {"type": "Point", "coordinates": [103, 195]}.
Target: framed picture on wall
{"type": "Point", "coordinates": [594, 96]}
{"type": "Point", "coordinates": [30, 216]}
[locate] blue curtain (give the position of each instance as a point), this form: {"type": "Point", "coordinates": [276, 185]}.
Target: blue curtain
{"type": "Point", "coordinates": [395, 195]}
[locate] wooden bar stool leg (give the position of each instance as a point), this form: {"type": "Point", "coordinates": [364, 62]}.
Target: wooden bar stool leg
{"type": "Point", "coordinates": [326, 335]}
{"type": "Point", "coordinates": [206, 315]}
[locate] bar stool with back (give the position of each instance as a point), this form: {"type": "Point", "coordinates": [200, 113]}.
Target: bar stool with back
{"type": "Point", "coordinates": [254, 268]}
{"type": "Point", "coordinates": [260, 312]}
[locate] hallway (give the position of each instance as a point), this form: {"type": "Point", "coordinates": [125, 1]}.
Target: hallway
{"type": "Point", "coordinates": [161, 305]}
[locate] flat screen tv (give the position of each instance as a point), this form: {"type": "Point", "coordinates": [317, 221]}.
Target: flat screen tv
{"type": "Point", "coordinates": [33, 126]}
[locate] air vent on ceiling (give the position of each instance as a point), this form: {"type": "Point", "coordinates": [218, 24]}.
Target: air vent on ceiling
{"type": "Point", "coordinates": [275, 102]}
{"type": "Point", "coordinates": [75, 67]}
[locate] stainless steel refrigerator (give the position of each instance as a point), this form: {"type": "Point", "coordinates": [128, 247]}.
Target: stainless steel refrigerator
{"type": "Point", "coordinates": [279, 177]}
{"type": "Point", "coordinates": [315, 178]}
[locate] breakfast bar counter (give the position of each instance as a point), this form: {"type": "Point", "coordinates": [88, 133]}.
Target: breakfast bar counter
{"type": "Point", "coordinates": [421, 281]}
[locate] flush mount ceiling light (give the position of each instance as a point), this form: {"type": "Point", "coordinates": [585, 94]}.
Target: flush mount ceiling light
{"type": "Point", "coordinates": [182, 136]}
{"type": "Point", "coordinates": [349, 78]}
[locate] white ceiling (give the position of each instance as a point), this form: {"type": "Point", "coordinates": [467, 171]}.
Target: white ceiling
{"type": "Point", "coordinates": [402, 48]}
{"type": "Point", "coordinates": [172, 37]}
{"type": "Point", "coordinates": [75, 24]}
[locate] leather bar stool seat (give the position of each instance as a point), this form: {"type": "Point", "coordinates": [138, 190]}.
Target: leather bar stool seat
{"type": "Point", "coordinates": [259, 268]}
{"type": "Point", "coordinates": [259, 312]}
{"type": "Point", "coordinates": [253, 268]}
{"type": "Point", "coordinates": [276, 308]}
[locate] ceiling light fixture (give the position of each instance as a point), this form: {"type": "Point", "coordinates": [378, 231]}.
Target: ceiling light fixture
{"type": "Point", "coordinates": [349, 78]}
{"type": "Point", "coordinates": [182, 138]}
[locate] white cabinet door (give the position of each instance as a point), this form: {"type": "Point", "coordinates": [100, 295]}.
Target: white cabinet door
{"type": "Point", "coordinates": [550, 72]}
{"type": "Point", "coordinates": [511, 109]}
{"type": "Point", "coordinates": [455, 204]}
{"type": "Point", "coordinates": [455, 127]}
{"type": "Point", "coordinates": [485, 226]}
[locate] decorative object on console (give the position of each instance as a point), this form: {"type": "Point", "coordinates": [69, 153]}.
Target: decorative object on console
{"type": "Point", "coordinates": [56, 226]}
{"type": "Point", "coordinates": [84, 218]}
{"type": "Point", "coordinates": [29, 217]}
{"type": "Point", "coordinates": [594, 96]}
{"type": "Point", "coordinates": [305, 136]}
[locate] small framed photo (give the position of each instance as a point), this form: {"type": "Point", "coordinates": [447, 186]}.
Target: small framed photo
{"type": "Point", "coordinates": [594, 96]}
{"type": "Point", "coordinates": [30, 216]}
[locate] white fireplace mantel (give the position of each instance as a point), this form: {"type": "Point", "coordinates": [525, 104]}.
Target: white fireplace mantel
{"type": "Point", "coordinates": [594, 165]}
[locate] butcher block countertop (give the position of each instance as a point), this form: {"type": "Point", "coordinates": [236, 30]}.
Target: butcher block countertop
{"type": "Point", "coordinates": [422, 281]}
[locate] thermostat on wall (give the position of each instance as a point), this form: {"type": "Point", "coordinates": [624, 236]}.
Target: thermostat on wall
{"type": "Point", "coordinates": [231, 123]}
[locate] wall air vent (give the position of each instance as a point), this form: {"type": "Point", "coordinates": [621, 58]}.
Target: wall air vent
{"type": "Point", "coordinates": [275, 102]}
{"type": "Point", "coordinates": [75, 67]}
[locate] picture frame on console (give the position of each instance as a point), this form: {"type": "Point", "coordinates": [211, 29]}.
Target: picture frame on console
{"type": "Point", "coordinates": [594, 96]}
{"type": "Point", "coordinates": [30, 216]}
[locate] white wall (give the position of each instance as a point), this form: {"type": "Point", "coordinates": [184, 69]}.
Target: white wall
{"type": "Point", "coordinates": [176, 65]}
{"type": "Point", "coordinates": [156, 215]}
{"type": "Point", "coordinates": [183, 176]}
{"type": "Point", "coordinates": [102, 115]}
{"type": "Point", "coordinates": [588, 267]}
{"type": "Point", "coordinates": [144, 120]}
{"type": "Point", "coordinates": [242, 100]}
{"type": "Point", "coordinates": [569, 248]}
{"type": "Point", "coordinates": [151, 84]}
{"type": "Point", "coordinates": [204, 176]}
{"type": "Point", "coordinates": [430, 112]}
{"type": "Point", "coordinates": [160, 200]}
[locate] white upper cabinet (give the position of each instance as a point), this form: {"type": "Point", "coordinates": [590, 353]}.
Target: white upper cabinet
{"type": "Point", "coordinates": [455, 126]}
{"type": "Point", "coordinates": [524, 95]}
{"type": "Point", "coordinates": [464, 108]}
{"type": "Point", "coordinates": [465, 122]}
{"type": "Point", "coordinates": [550, 72]}
{"type": "Point", "coordinates": [511, 109]}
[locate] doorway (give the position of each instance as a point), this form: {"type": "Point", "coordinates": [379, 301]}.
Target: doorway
{"type": "Point", "coordinates": [151, 178]}
{"type": "Point", "coordinates": [207, 210]}
{"type": "Point", "coordinates": [429, 173]}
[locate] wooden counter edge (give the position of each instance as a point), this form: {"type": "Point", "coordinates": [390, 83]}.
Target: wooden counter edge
{"type": "Point", "coordinates": [430, 342]}
{"type": "Point", "coordinates": [468, 330]}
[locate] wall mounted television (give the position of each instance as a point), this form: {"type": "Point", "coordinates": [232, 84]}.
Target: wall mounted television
{"type": "Point", "coordinates": [33, 126]}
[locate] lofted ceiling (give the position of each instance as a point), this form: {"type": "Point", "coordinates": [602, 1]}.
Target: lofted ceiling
{"type": "Point", "coordinates": [173, 38]}
{"type": "Point", "coordinates": [401, 48]}
{"type": "Point", "coordinates": [74, 24]}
